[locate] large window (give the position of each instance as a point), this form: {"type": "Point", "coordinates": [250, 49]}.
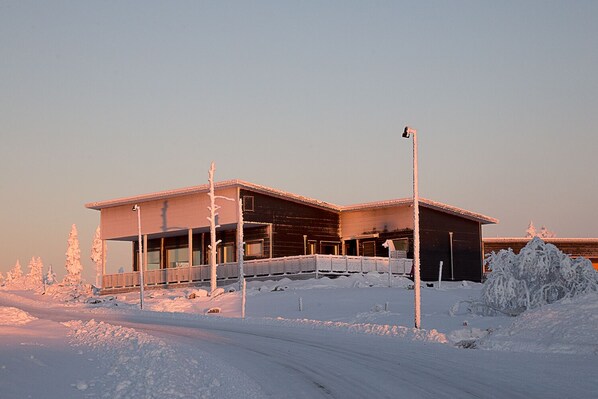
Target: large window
{"type": "Point", "coordinates": [254, 248]}
{"type": "Point", "coordinates": [368, 248]}
{"type": "Point", "coordinates": [226, 253]}
{"type": "Point", "coordinates": [153, 259]}
{"type": "Point", "coordinates": [177, 257]}
{"type": "Point", "coordinates": [329, 247]}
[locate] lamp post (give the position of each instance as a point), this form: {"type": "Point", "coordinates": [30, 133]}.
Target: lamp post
{"type": "Point", "coordinates": [407, 133]}
{"type": "Point", "coordinates": [137, 209]}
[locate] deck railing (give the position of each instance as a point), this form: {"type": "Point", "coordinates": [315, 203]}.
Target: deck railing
{"type": "Point", "coordinates": [292, 265]}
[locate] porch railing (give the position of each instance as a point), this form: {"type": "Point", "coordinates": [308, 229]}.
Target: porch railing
{"type": "Point", "coordinates": [293, 265]}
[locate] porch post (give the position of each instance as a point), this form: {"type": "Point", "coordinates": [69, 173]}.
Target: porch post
{"type": "Point", "coordinates": [190, 253]}
{"type": "Point", "coordinates": [270, 234]}
{"type": "Point", "coordinates": [144, 252]}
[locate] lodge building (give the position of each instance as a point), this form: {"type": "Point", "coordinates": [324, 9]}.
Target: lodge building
{"type": "Point", "coordinates": [279, 225]}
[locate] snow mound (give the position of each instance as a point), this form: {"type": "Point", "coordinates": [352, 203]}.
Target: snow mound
{"type": "Point", "coordinates": [569, 326]}
{"type": "Point", "coordinates": [143, 366]}
{"type": "Point", "coordinates": [413, 334]}
{"type": "Point", "coordinates": [540, 274]}
{"type": "Point", "coordinates": [70, 293]}
{"type": "Point", "coordinates": [10, 316]}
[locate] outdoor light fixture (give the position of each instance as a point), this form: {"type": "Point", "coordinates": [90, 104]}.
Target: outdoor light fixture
{"type": "Point", "coordinates": [407, 133]}
{"type": "Point", "coordinates": [137, 208]}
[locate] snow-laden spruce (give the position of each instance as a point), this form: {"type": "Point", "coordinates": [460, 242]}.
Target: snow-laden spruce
{"type": "Point", "coordinates": [540, 274]}
{"type": "Point", "coordinates": [73, 259]}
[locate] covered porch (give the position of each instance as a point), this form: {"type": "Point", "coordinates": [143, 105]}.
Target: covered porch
{"type": "Point", "coordinates": [308, 265]}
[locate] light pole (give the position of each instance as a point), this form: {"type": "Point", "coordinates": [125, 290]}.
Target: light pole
{"type": "Point", "coordinates": [137, 209]}
{"type": "Point", "coordinates": [408, 132]}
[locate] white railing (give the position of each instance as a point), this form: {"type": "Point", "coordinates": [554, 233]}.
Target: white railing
{"type": "Point", "coordinates": [292, 265]}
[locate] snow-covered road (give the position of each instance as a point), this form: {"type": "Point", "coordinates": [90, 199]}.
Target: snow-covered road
{"type": "Point", "coordinates": [259, 359]}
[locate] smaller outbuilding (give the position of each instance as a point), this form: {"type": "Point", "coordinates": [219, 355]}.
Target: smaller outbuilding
{"type": "Point", "coordinates": [574, 247]}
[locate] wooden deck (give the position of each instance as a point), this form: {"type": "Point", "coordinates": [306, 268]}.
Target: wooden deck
{"type": "Point", "coordinates": [258, 269]}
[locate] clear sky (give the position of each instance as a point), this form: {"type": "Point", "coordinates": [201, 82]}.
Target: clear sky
{"type": "Point", "coordinates": [114, 98]}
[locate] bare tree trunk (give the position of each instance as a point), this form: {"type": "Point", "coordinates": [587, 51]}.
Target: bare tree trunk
{"type": "Point", "coordinates": [212, 220]}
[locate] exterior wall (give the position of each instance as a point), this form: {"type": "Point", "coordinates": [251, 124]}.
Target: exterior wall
{"type": "Point", "coordinates": [355, 223]}
{"type": "Point", "coordinates": [435, 246]}
{"type": "Point", "coordinates": [164, 216]}
{"type": "Point", "coordinates": [290, 221]}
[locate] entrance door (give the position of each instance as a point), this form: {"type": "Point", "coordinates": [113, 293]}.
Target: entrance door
{"type": "Point", "coordinates": [351, 247]}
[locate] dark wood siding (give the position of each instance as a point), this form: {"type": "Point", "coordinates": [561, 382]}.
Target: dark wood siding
{"type": "Point", "coordinates": [290, 221]}
{"type": "Point", "coordinates": [435, 246]}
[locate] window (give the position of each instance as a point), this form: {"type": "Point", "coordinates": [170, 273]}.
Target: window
{"type": "Point", "coordinates": [153, 259]}
{"type": "Point", "coordinates": [226, 253]}
{"type": "Point", "coordinates": [329, 247]}
{"type": "Point", "coordinates": [197, 257]}
{"type": "Point", "coordinates": [368, 248]}
{"type": "Point", "coordinates": [311, 247]}
{"type": "Point", "coordinates": [401, 247]}
{"type": "Point", "coordinates": [177, 257]}
{"type": "Point", "coordinates": [254, 248]}
{"type": "Point", "coordinates": [248, 203]}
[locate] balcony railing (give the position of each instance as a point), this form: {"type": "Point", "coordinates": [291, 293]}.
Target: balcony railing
{"type": "Point", "coordinates": [293, 265]}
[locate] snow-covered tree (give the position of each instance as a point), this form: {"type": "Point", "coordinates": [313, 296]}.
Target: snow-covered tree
{"type": "Point", "coordinates": [213, 219]}
{"type": "Point", "coordinates": [35, 275]}
{"type": "Point", "coordinates": [97, 256]}
{"type": "Point", "coordinates": [531, 230]}
{"type": "Point", "coordinates": [16, 272]}
{"type": "Point", "coordinates": [50, 277]}
{"type": "Point", "coordinates": [73, 259]}
{"type": "Point", "coordinates": [545, 233]}
{"type": "Point", "coordinates": [538, 275]}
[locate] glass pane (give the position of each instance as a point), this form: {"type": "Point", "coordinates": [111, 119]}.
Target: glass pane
{"type": "Point", "coordinates": [178, 257]}
{"type": "Point", "coordinates": [153, 260]}
{"type": "Point", "coordinates": [254, 248]}
{"type": "Point", "coordinates": [401, 244]}
{"type": "Point", "coordinates": [197, 257]}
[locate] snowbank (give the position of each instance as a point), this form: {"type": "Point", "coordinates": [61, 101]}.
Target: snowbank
{"type": "Point", "coordinates": [10, 316]}
{"type": "Point", "coordinates": [569, 326]}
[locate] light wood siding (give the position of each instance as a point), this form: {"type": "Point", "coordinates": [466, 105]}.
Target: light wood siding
{"type": "Point", "coordinates": [166, 215]}
{"type": "Point", "coordinates": [355, 223]}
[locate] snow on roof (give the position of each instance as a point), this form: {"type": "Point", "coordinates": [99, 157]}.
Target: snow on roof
{"type": "Point", "coordinates": [478, 217]}
{"type": "Point", "coordinates": [204, 188]}
{"type": "Point", "coordinates": [582, 240]}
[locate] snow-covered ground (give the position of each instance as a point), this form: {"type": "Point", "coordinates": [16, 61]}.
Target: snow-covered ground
{"type": "Point", "coordinates": [353, 337]}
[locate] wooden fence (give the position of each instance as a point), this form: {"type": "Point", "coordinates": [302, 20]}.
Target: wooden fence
{"type": "Point", "coordinates": [271, 267]}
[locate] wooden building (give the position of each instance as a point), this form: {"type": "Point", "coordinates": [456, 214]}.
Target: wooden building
{"type": "Point", "coordinates": [279, 224]}
{"type": "Point", "coordinates": [574, 247]}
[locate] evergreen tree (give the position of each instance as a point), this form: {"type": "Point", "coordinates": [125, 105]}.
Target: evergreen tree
{"type": "Point", "coordinates": [16, 272]}
{"type": "Point", "coordinates": [531, 230]}
{"type": "Point", "coordinates": [34, 277]}
{"type": "Point", "coordinates": [73, 259]}
{"type": "Point", "coordinates": [50, 277]}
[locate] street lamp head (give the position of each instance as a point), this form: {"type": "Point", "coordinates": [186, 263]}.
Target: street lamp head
{"type": "Point", "coordinates": [408, 132]}
{"type": "Point", "coordinates": [135, 208]}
